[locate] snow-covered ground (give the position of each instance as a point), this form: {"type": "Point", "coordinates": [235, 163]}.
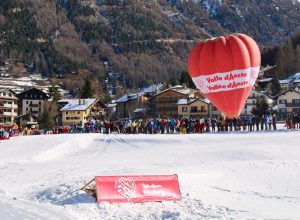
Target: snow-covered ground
{"type": "Point", "coordinates": [221, 176]}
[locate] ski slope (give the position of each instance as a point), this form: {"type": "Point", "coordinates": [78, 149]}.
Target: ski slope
{"type": "Point", "coordinates": [221, 175]}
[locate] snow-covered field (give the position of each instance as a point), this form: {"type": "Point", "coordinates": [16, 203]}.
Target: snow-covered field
{"type": "Point", "coordinates": [221, 176]}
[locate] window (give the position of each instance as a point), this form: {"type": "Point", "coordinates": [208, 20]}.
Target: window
{"type": "Point", "coordinates": [194, 109]}
{"type": "Point", "coordinates": [282, 110]}
{"type": "Point", "coordinates": [296, 101]}
{"type": "Point", "coordinates": [184, 109]}
{"type": "Point", "coordinates": [78, 113]}
{"type": "Point", "coordinates": [202, 109]}
{"type": "Point", "coordinates": [72, 118]}
{"type": "Point", "coordinates": [9, 94]}
{"type": "Point", "coordinates": [67, 113]}
{"type": "Point", "coordinates": [282, 101]}
{"type": "Point", "coordinates": [27, 102]}
{"type": "Point", "coordinates": [26, 110]}
{"type": "Point", "coordinates": [296, 110]}
{"type": "Point", "coordinates": [4, 93]}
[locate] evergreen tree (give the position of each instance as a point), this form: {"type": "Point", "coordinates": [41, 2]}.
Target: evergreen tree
{"type": "Point", "coordinates": [297, 65]}
{"type": "Point", "coordinates": [87, 90]}
{"type": "Point", "coordinates": [280, 73]}
{"type": "Point", "coordinates": [185, 79]}
{"type": "Point", "coordinates": [275, 87]}
{"type": "Point", "coordinates": [296, 39]}
{"type": "Point", "coordinates": [46, 120]}
{"type": "Point", "coordinates": [54, 93]}
{"type": "Point", "coordinates": [261, 106]}
{"type": "Point", "coordinates": [107, 98]}
{"type": "Point", "coordinates": [288, 58]}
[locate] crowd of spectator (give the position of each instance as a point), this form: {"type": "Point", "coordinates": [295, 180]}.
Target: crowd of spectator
{"type": "Point", "coordinates": [166, 125]}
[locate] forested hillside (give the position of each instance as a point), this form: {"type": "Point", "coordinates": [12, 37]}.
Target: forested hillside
{"type": "Point", "coordinates": [134, 42]}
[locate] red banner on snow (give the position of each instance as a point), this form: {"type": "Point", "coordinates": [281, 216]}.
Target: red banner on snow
{"type": "Point", "coordinates": [137, 188]}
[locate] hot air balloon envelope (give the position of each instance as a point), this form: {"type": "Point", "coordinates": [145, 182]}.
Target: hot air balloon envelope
{"type": "Point", "coordinates": [225, 70]}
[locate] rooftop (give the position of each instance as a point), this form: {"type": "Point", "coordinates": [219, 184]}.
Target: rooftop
{"type": "Point", "coordinates": [189, 101]}
{"type": "Point", "coordinates": [288, 90]}
{"type": "Point", "coordinates": [290, 79]}
{"type": "Point", "coordinates": [73, 104]}
{"type": "Point", "coordinates": [265, 80]}
{"type": "Point", "coordinates": [150, 89]}
{"type": "Point", "coordinates": [179, 88]}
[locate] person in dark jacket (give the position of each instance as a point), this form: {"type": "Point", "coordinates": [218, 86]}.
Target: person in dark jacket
{"type": "Point", "coordinates": [213, 124]}
{"type": "Point", "coordinates": [257, 120]}
{"type": "Point", "coordinates": [274, 121]}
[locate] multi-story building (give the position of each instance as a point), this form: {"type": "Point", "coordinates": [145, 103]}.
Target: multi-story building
{"type": "Point", "coordinates": [265, 77]}
{"type": "Point", "coordinates": [78, 111]}
{"type": "Point", "coordinates": [8, 107]}
{"type": "Point", "coordinates": [288, 102]}
{"type": "Point", "coordinates": [292, 81]}
{"type": "Point", "coordinates": [128, 105]}
{"type": "Point", "coordinates": [164, 103]}
{"type": "Point", "coordinates": [196, 108]}
{"type": "Point", "coordinates": [32, 101]}
{"type": "Point", "coordinates": [136, 104]}
{"type": "Point", "coordinates": [28, 120]}
{"type": "Point", "coordinates": [251, 101]}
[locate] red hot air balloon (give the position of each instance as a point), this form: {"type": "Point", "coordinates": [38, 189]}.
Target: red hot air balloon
{"type": "Point", "coordinates": [225, 70]}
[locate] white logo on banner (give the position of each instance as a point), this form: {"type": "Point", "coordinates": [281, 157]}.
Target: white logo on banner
{"type": "Point", "coordinates": [126, 187]}
{"type": "Point", "coordinates": [235, 79]}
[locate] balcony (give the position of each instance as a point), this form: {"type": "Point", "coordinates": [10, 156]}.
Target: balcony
{"type": "Point", "coordinates": [8, 113]}
{"type": "Point", "coordinates": [34, 105]}
{"type": "Point", "coordinates": [6, 124]}
{"type": "Point", "coordinates": [5, 105]}
{"type": "Point", "coordinates": [198, 111]}
{"type": "Point", "coordinates": [292, 105]}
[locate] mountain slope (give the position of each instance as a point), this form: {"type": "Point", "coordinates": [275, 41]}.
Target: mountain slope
{"type": "Point", "coordinates": [141, 41]}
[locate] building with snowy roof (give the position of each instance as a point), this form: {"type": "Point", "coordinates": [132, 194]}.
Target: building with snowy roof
{"type": "Point", "coordinates": [32, 100]}
{"type": "Point", "coordinates": [8, 107]}
{"type": "Point", "coordinates": [251, 101]}
{"type": "Point", "coordinates": [288, 102]}
{"type": "Point", "coordinates": [79, 111]}
{"type": "Point", "coordinates": [265, 77]}
{"type": "Point", "coordinates": [291, 82]}
{"type": "Point", "coordinates": [196, 108]}
{"type": "Point", "coordinates": [136, 104]}
{"type": "Point", "coordinates": [164, 103]}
